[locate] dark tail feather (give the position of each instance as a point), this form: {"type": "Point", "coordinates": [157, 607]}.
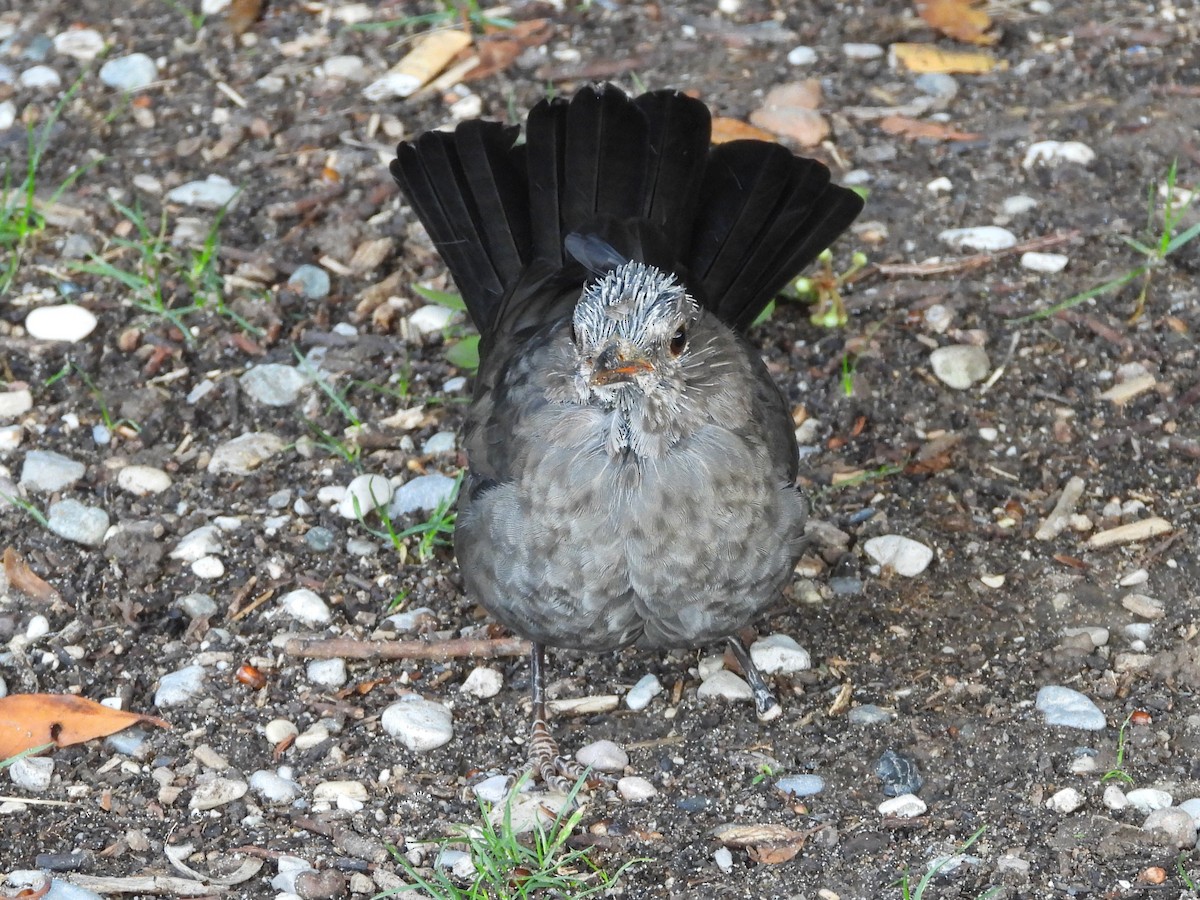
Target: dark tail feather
{"type": "Point", "coordinates": [473, 201]}
{"type": "Point", "coordinates": [765, 215]}
{"type": "Point", "coordinates": [680, 132]}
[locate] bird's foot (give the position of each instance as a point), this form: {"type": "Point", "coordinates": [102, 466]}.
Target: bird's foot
{"type": "Point", "coordinates": [766, 707]}
{"type": "Point", "coordinates": [547, 764]}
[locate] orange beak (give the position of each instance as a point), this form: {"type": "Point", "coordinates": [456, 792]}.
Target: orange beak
{"type": "Point", "coordinates": [610, 370]}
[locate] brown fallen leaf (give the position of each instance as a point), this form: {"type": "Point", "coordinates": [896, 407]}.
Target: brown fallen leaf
{"type": "Point", "coordinates": [741, 836]}
{"type": "Point", "coordinates": [919, 129]}
{"type": "Point", "coordinates": [927, 58]}
{"type": "Point", "coordinates": [24, 579]}
{"type": "Point", "coordinates": [772, 854]}
{"type": "Point", "coordinates": [242, 14]}
{"type": "Point", "coordinates": [497, 51]}
{"type": "Point", "coordinates": [31, 720]}
{"type": "Point", "coordinates": [725, 129]}
{"type": "Point", "coordinates": [963, 20]}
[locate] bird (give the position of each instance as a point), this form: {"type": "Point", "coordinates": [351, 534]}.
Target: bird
{"type": "Point", "coordinates": [631, 463]}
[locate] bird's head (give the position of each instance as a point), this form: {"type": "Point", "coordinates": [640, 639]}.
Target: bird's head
{"type": "Point", "coordinates": [631, 331]}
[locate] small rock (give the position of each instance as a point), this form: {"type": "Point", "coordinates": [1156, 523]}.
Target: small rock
{"type": "Point", "coordinates": [1018, 204]}
{"type": "Point", "coordinates": [217, 792]}
{"type": "Point", "coordinates": [904, 806]}
{"type": "Point", "coordinates": [211, 193]}
{"type": "Point", "coordinates": [1047, 263]}
{"type": "Point", "coordinates": [364, 495]}
{"type": "Point", "coordinates": [129, 73]}
{"type": "Point", "coordinates": [936, 84]}
{"type": "Point", "coordinates": [311, 281]}
{"type": "Point", "coordinates": [245, 453]}
{"type": "Point", "coordinates": [801, 785]}
{"type": "Point", "coordinates": [1062, 706]}
{"type": "Point", "coordinates": [34, 773]}
{"type": "Point", "coordinates": [942, 185]}
{"type": "Point", "coordinates": [45, 470]}
{"type": "Point", "coordinates": [1141, 605]}
{"type": "Point", "coordinates": [790, 110]}
{"type": "Point", "coordinates": [84, 44]}
{"type": "Point", "coordinates": [441, 442]}
{"type": "Point", "coordinates": [38, 78]}
{"type": "Point", "coordinates": [422, 494]}
{"type": "Point", "coordinates": [418, 724]}
{"type": "Point", "coordinates": [198, 543]}
{"type": "Point", "coordinates": [290, 869]}
{"type": "Point", "coordinates": [1054, 152]}
{"type": "Point", "coordinates": [723, 857]}
{"type": "Point", "coordinates": [412, 619]}
{"type": "Point", "coordinates": [273, 384]}
{"type": "Point", "coordinates": [1114, 798]}
{"type": "Point", "coordinates": [141, 481]}
{"type": "Point", "coordinates": [347, 68]}
{"type": "Point", "coordinates": [898, 773]}
{"type": "Point", "coordinates": [724, 685]}
{"type": "Point", "coordinates": [779, 654]}
{"type": "Point", "coordinates": [179, 687]}
{"type": "Point", "coordinates": [73, 521]}
{"type": "Point", "coordinates": [984, 238]}
{"type": "Point", "coordinates": [1128, 388]}
{"type": "Point", "coordinates": [483, 682]}
{"type": "Point", "coordinates": [647, 688]}
{"type": "Point", "coordinates": [959, 366]}
{"type": "Point", "coordinates": [198, 606]}
{"type": "Point", "coordinates": [801, 56]}
{"type": "Point", "coordinates": [868, 714]}
{"type": "Point", "coordinates": [862, 52]}
{"type": "Point", "coordinates": [327, 673]}
{"type": "Point", "coordinates": [1141, 530]}
{"type": "Point", "coordinates": [278, 730]}
{"type": "Point", "coordinates": [902, 555]}
{"type": "Point", "coordinates": [1097, 634]}
{"type": "Point", "coordinates": [208, 568]}
{"type": "Point", "coordinates": [492, 789]}
{"type": "Point", "coordinates": [1177, 827]}
{"type": "Point", "coordinates": [343, 794]}
{"type": "Point", "coordinates": [1148, 799]}
{"type": "Point", "coordinates": [8, 112]}
{"type": "Point", "coordinates": [431, 319]}
{"type": "Point", "coordinates": [634, 789]}
{"type": "Point", "coordinates": [306, 607]}
{"type": "Point", "coordinates": [15, 403]}
{"type": "Point", "coordinates": [603, 756]}
{"type": "Point", "coordinates": [1065, 801]}
{"type": "Point", "coordinates": [66, 322]}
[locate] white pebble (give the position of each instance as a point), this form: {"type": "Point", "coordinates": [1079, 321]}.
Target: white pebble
{"type": "Point", "coordinates": [217, 792]}
{"type": "Point", "coordinates": [723, 857]}
{"type": "Point", "coordinates": [1134, 578]}
{"type": "Point", "coordinates": [603, 756]}
{"type": "Point", "coordinates": [305, 606]}
{"type": "Point", "coordinates": [45, 470]}
{"type": "Point", "coordinates": [984, 238]}
{"type": "Point", "coordinates": [431, 319]}
{"type": "Point", "coordinates": [327, 673]}
{"type": "Point", "coordinates": [143, 480]}
{"type": "Point", "coordinates": [1018, 204]}
{"type": "Point", "coordinates": [274, 788]}
{"type": "Point", "coordinates": [779, 653]}
{"type": "Point", "coordinates": [129, 73]}
{"type": "Point", "coordinates": [1068, 708]}
{"type": "Point", "coordinates": [8, 114]}
{"type": "Point", "coordinates": [902, 555]}
{"type": "Point", "coordinates": [38, 627]}
{"type": "Point", "coordinates": [1114, 798]}
{"type": "Point", "coordinates": [211, 193]}
{"type": "Point", "coordinates": [364, 495]}
{"type": "Point", "coordinates": [635, 789]}
{"type": "Point", "coordinates": [420, 725]}
{"type": "Point", "coordinates": [862, 51]}
{"type": "Point", "coordinates": [198, 543]}
{"type": "Point", "coordinates": [724, 685]}
{"type": "Point", "coordinates": [15, 403]}
{"type": "Point", "coordinates": [347, 68]}
{"type": "Point", "coordinates": [1047, 263]}
{"type": "Point", "coordinates": [180, 686]}
{"type": "Point", "coordinates": [941, 185]}
{"type": "Point", "coordinates": [278, 730]}
{"type": "Point", "coordinates": [423, 493]}
{"type": "Point", "coordinates": [1144, 606]}
{"type": "Point", "coordinates": [80, 43]}
{"type": "Point", "coordinates": [1054, 152]}
{"type": "Point", "coordinates": [483, 682]}
{"type": "Point", "coordinates": [1147, 799]}
{"type": "Point", "coordinates": [647, 688]}
{"type": "Point", "coordinates": [37, 78]}
{"type": "Point", "coordinates": [245, 453]}
{"type": "Point", "coordinates": [349, 795]}
{"type": "Point", "coordinates": [64, 322]}
{"type": "Point", "coordinates": [1065, 801]}
{"type": "Point", "coordinates": [440, 442]}
{"type": "Point", "coordinates": [32, 773]}
{"type": "Point", "coordinates": [802, 56]}
{"type": "Point", "coordinates": [73, 521]}
{"type": "Point", "coordinates": [274, 384]}
{"type": "Point", "coordinates": [469, 107]}
{"type": "Point", "coordinates": [960, 365]}
{"type": "Point", "coordinates": [492, 789]}
{"type": "Point", "coordinates": [208, 568]}
{"type": "Point", "coordinates": [906, 806]}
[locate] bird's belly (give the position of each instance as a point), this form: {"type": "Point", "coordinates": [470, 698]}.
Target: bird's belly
{"type": "Point", "coordinates": [595, 553]}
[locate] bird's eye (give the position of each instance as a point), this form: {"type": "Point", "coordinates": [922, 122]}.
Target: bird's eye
{"type": "Point", "coordinates": [678, 342]}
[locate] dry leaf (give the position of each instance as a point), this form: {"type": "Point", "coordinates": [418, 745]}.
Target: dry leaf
{"type": "Point", "coordinates": [725, 129]}
{"type": "Point", "coordinates": [963, 20]}
{"type": "Point", "coordinates": [24, 579]}
{"type": "Point", "coordinates": [31, 720]}
{"type": "Point", "coordinates": [497, 53]}
{"type": "Point", "coordinates": [242, 14]}
{"type": "Point", "coordinates": [772, 854]}
{"type": "Point", "coordinates": [918, 129]}
{"type": "Point", "coordinates": [927, 58]}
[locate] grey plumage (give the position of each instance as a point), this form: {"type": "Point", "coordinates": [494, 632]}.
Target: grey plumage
{"type": "Point", "coordinates": [632, 463]}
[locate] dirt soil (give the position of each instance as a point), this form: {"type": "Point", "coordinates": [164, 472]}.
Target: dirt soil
{"type": "Point", "coordinates": [955, 655]}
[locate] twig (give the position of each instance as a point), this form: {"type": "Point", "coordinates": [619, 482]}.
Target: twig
{"type": "Point", "coordinates": [463, 648]}
{"type": "Point", "coordinates": [289, 208]}
{"type": "Point", "coordinates": [978, 261]}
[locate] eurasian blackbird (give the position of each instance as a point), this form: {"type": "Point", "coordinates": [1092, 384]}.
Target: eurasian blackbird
{"type": "Point", "coordinates": [631, 461]}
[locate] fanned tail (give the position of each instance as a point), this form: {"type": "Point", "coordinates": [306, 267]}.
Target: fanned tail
{"type": "Point", "coordinates": [736, 222]}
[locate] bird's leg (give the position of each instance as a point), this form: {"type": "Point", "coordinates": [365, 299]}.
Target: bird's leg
{"type": "Point", "coordinates": [545, 760]}
{"type": "Point", "coordinates": [765, 704]}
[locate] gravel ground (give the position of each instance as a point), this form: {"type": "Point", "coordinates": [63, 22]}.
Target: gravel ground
{"type": "Point", "coordinates": [1003, 575]}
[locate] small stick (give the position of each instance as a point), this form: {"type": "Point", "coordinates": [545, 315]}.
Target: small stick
{"type": "Point", "coordinates": [977, 261]}
{"type": "Point", "coordinates": [462, 648]}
